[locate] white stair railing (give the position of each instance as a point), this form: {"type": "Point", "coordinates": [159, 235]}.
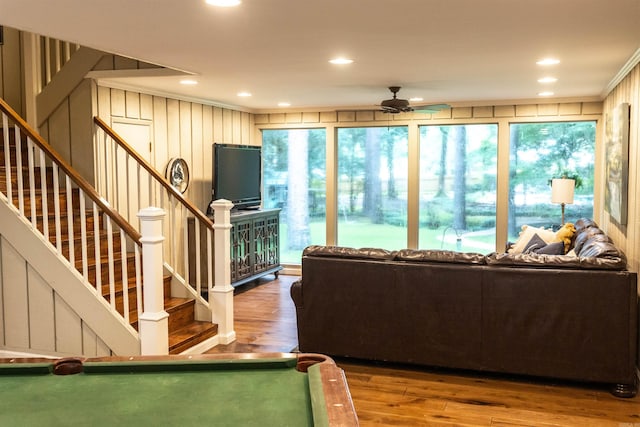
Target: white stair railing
{"type": "Point", "coordinates": [130, 184]}
{"type": "Point", "coordinates": [69, 214]}
{"type": "Point", "coordinates": [75, 219]}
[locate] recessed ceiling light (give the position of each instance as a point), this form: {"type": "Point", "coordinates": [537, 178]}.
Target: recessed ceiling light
{"type": "Point", "coordinates": [341, 61]}
{"type": "Point", "coordinates": [545, 94]}
{"type": "Point", "coordinates": [547, 80]}
{"type": "Point", "coordinates": [223, 3]}
{"type": "Point", "coordinates": [548, 61]}
{"type": "Point", "coordinates": [188, 82]}
{"type": "Point", "coordinates": [284, 104]}
{"type": "Point", "coordinates": [416, 99]}
{"type": "Point", "coordinates": [244, 94]}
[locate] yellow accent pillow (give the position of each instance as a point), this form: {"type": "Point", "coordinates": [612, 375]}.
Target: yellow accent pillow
{"type": "Point", "coordinates": [565, 234]}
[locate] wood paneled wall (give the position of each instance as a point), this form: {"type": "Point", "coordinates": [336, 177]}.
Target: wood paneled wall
{"type": "Point", "coordinates": [179, 129]}
{"type": "Point", "coordinates": [627, 235]}
{"type": "Point", "coordinates": [34, 318]}
{"type": "Point", "coordinates": [12, 71]}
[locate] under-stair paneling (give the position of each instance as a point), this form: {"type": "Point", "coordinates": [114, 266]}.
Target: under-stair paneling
{"type": "Point", "coordinates": [92, 345]}
{"type": "Point", "coordinates": [68, 328]}
{"type": "Point", "coordinates": [59, 133]}
{"type": "Point", "coordinates": [15, 297]}
{"type": "Point", "coordinates": [42, 328]}
{"type": "Point", "coordinates": [11, 71]}
{"type": "Point", "coordinates": [58, 82]}
{"type": "Point", "coordinates": [81, 125]}
{"type": "Point", "coordinates": [38, 292]}
{"type": "Point", "coordinates": [69, 129]}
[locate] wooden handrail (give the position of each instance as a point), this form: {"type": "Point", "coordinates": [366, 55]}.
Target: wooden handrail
{"type": "Point", "coordinates": [152, 171]}
{"type": "Point", "coordinates": [70, 172]}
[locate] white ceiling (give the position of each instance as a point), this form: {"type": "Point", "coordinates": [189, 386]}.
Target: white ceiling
{"type": "Point", "coordinates": [460, 52]}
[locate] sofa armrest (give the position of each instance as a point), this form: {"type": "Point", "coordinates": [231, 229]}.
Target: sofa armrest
{"type": "Point", "coordinates": [296, 293]}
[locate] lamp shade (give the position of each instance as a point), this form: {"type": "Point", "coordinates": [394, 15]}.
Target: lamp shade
{"type": "Point", "coordinates": [562, 190]}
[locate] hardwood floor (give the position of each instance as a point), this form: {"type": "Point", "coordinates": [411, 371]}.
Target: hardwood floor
{"type": "Point", "coordinates": [394, 395]}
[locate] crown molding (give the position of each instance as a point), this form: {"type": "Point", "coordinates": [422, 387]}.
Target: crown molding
{"type": "Point", "coordinates": [624, 71]}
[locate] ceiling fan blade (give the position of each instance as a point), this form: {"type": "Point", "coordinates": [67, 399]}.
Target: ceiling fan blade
{"type": "Point", "coordinates": [430, 108]}
{"type": "Point", "coordinates": [388, 109]}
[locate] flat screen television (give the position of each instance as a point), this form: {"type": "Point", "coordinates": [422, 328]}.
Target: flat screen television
{"type": "Point", "coordinates": [237, 172]}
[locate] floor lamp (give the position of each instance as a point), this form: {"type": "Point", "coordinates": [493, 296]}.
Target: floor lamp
{"type": "Point", "coordinates": [562, 192]}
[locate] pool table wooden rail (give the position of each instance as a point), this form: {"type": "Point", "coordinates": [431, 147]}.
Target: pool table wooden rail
{"type": "Point", "coordinates": [337, 398]}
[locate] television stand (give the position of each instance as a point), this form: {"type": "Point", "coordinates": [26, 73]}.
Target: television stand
{"type": "Point", "coordinates": [255, 245]}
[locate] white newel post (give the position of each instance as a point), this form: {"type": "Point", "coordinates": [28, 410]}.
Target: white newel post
{"type": "Point", "coordinates": [154, 321]}
{"type": "Point", "coordinates": [221, 295]}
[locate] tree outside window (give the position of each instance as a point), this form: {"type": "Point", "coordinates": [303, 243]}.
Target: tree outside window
{"type": "Point", "coordinates": [540, 152]}
{"type": "Point", "coordinates": [458, 169]}
{"type": "Point", "coordinates": [293, 163]}
{"type": "Point", "coordinates": [372, 187]}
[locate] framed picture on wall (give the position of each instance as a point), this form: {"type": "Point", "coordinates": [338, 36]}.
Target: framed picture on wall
{"type": "Point", "coordinates": [617, 162]}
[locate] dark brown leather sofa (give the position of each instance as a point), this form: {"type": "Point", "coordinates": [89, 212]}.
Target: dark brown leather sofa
{"type": "Point", "coordinates": [568, 317]}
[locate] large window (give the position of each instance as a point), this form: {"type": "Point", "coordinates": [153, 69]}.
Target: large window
{"type": "Point", "coordinates": [457, 182]}
{"type": "Point", "coordinates": [294, 180]}
{"type": "Point", "coordinates": [543, 151]}
{"type": "Point", "coordinates": [372, 187]}
{"type": "Point", "coordinates": [458, 166]}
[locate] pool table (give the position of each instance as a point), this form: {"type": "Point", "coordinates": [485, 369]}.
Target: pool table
{"type": "Point", "coordinates": [265, 389]}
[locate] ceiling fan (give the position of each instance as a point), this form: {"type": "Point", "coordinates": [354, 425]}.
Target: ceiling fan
{"type": "Point", "coordinates": [396, 105]}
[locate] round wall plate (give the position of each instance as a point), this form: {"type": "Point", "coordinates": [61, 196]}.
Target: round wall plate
{"type": "Point", "coordinates": [177, 173]}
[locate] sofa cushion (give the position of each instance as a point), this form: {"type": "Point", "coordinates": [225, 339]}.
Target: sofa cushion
{"type": "Point", "coordinates": [599, 246]}
{"type": "Point", "coordinates": [586, 234]}
{"type": "Point", "coordinates": [534, 260]}
{"type": "Point", "coordinates": [346, 252]}
{"type": "Point", "coordinates": [584, 223]}
{"type": "Point", "coordinates": [428, 255]}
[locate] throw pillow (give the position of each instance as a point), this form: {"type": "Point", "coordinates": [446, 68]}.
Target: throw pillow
{"type": "Point", "coordinates": [556, 248]}
{"type": "Point", "coordinates": [534, 245]}
{"type": "Point", "coordinates": [527, 233]}
{"type": "Point", "coordinates": [565, 234]}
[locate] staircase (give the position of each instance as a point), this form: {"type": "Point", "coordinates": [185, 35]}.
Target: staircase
{"type": "Point", "coordinates": [85, 238]}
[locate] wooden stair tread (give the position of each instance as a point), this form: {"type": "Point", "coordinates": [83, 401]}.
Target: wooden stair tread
{"type": "Point", "coordinates": [131, 286]}
{"type": "Point", "coordinates": [171, 305]}
{"type": "Point", "coordinates": [184, 338]}
{"type": "Point", "coordinates": [184, 331]}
